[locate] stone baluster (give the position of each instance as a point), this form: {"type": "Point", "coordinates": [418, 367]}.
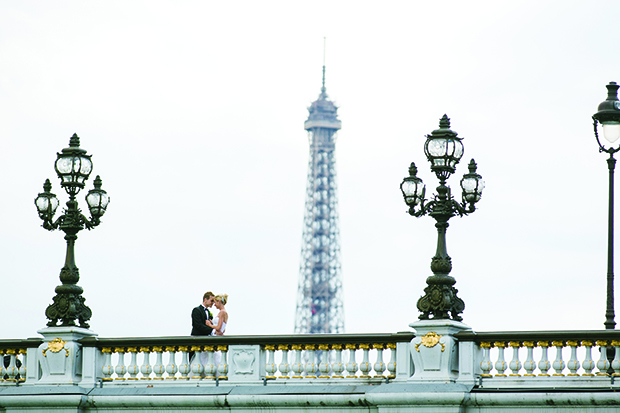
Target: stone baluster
{"type": "Point", "coordinates": [120, 369]}
{"type": "Point", "coordinates": [543, 364]}
{"type": "Point", "coordinates": [500, 364]}
{"type": "Point", "coordinates": [351, 364]}
{"type": "Point", "coordinates": [12, 370]}
{"type": "Point", "coordinates": [107, 368]}
{"type": "Point", "coordinates": [24, 360]}
{"type": "Point", "coordinates": [297, 366]}
{"type": "Point", "coordinates": [558, 363]}
{"type": "Point", "coordinates": [615, 364]}
{"type": "Point", "coordinates": [158, 368]}
{"type": "Point", "coordinates": [486, 365]}
{"type": "Point", "coordinates": [184, 367]}
{"type": "Point", "coordinates": [324, 366]}
{"type": "Point", "coordinates": [310, 366]}
{"type": "Point", "coordinates": [602, 364]}
{"type": "Point", "coordinates": [210, 368]}
{"type": "Point", "coordinates": [270, 366]}
{"type": "Point", "coordinates": [515, 363]}
{"type": "Point", "coordinates": [529, 364]}
{"type": "Point", "coordinates": [391, 366]}
{"type": "Point", "coordinates": [133, 369]}
{"type": "Point", "coordinates": [171, 367]}
{"type": "Point", "coordinates": [337, 365]}
{"type": "Point", "coordinates": [365, 366]}
{"type": "Point", "coordinates": [573, 364]}
{"type": "Point", "coordinates": [197, 368]}
{"type": "Point", "coordinates": [2, 369]}
{"type": "Point", "coordinates": [222, 367]}
{"type": "Point", "coordinates": [146, 368]}
{"type": "Point", "coordinates": [588, 364]}
{"type": "Point", "coordinates": [284, 367]}
{"type": "Point", "coordinates": [379, 366]}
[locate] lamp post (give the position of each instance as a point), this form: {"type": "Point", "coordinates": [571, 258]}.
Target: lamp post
{"type": "Point", "coordinates": [608, 116]}
{"type": "Point", "coordinates": [73, 167]}
{"type": "Point", "coordinates": [443, 149]}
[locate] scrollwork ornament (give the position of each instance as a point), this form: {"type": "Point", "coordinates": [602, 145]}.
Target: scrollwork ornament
{"type": "Point", "coordinates": [55, 346]}
{"type": "Point", "coordinates": [430, 340]}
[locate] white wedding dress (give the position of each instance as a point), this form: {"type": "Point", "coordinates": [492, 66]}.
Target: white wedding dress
{"type": "Point", "coordinates": [215, 321]}
{"type": "Point", "coordinates": [217, 355]}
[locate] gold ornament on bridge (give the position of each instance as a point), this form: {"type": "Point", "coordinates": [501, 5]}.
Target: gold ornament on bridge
{"type": "Point", "coordinates": [55, 346]}
{"type": "Point", "coordinates": [430, 340]}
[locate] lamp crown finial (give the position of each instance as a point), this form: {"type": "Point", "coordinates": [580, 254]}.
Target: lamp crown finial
{"type": "Point", "coordinates": [97, 182]}
{"type": "Point", "coordinates": [444, 122]}
{"type": "Point", "coordinates": [74, 142]}
{"type": "Point", "coordinates": [47, 186]}
{"type": "Point", "coordinates": [413, 170]}
{"type": "Point", "coordinates": [612, 91]}
{"type": "Point", "coordinates": [472, 166]}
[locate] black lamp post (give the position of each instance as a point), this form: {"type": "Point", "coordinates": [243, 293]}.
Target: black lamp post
{"type": "Point", "coordinates": [608, 116]}
{"type": "Point", "coordinates": [73, 167]}
{"type": "Point", "coordinates": [444, 150]}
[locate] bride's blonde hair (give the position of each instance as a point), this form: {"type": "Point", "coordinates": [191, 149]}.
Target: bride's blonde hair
{"type": "Point", "coordinates": [222, 297]}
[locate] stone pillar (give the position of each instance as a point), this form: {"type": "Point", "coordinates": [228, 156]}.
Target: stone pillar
{"type": "Point", "coordinates": [60, 355]}
{"type": "Point", "coordinates": [435, 350]}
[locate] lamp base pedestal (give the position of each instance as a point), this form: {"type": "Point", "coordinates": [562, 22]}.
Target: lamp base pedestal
{"type": "Point", "coordinates": [435, 350]}
{"type": "Point", "coordinates": [60, 355]}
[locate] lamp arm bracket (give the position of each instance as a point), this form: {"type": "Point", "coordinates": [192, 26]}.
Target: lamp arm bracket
{"type": "Point", "coordinates": [51, 225]}
{"type": "Point", "coordinates": [601, 147]}
{"type": "Point", "coordinates": [89, 223]}
{"type": "Point", "coordinates": [467, 208]}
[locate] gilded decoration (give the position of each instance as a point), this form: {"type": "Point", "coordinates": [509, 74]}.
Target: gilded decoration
{"type": "Point", "coordinates": [55, 346]}
{"type": "Point", "coordinates": [430, 340]}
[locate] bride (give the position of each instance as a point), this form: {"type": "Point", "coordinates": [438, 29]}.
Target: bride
{"type": "Point", "coordinates": [219, 324]}
{"type": "Point", "coordinates": [219, 321]}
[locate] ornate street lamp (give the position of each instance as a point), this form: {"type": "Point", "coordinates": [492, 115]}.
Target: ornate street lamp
{"type": "Point", "coordinates": [608, 116]}
{"type": "Point", "coordinates": [73, 167]}
{"type": "Point", "coordinates": [444, 150]}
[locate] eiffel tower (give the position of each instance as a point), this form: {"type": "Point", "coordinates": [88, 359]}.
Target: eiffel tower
{"type": "Point", "coordinates": [319, 296]}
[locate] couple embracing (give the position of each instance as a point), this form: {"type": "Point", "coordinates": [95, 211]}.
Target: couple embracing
{"type": "Point", "coordinates": [203, 322]}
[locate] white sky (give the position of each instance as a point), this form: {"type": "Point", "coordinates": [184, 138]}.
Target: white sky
{"type": "Point", "coordinates": [194, 114]}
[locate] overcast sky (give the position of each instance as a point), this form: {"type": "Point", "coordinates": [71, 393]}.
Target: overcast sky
{"type": "Point", "coordinates": [193, 112]}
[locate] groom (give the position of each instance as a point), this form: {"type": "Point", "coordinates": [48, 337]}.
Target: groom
{"type": "Point", "coordinates": [201, 314]}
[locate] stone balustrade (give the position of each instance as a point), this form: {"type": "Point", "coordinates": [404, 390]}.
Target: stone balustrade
{"type": "Point", "coordinates": [484, 359]}
{"type": "Point", "coordinates": [257, 358]}
{"type": "Point", "coordinates": [14, 359]}
{"type": "Point", "coordinates": [540, 358]}
{"type": "Point", "coordinates": [369, 357]}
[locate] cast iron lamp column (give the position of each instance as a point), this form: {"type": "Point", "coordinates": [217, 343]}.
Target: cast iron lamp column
{"type": "Point", "coordinates": [73, 167]}
{"type": "Point", "coordinates": [444, 150]}
{"type": "Point", "coordinates": [608, 116]}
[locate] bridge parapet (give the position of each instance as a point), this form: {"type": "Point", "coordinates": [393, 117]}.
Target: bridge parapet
{"type": "Point", "coordinates": [484, 360]}
{"type": "Point", "coordinates": [329, 358]}
{"type": "Point", "coordinates": [543, 359]}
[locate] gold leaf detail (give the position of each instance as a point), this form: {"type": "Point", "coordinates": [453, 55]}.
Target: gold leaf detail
{"type": "Point", "coordinates": [430, 340]}
{"type": "Point", "coordinates": [55, 346]}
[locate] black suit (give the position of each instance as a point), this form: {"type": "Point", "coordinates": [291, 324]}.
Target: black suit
{"type": "Point", "coordinates": [199, 316]}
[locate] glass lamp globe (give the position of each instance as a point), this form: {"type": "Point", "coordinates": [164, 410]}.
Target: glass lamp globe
{"type": "Point", "coordinates": [73, 166]}
{"type": "Point", "coordinates": [46, 202]}
{"type": "Point", "coordinates": [97, 199]}
{"type": "Point", "coordinates": [472, 185]}
{"type": "Point", "coordinates": [412, 187]}
{"type": "Point", "coordinates": [608, 116]}
{"type": "Point", "coordinates": [444, 149]}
